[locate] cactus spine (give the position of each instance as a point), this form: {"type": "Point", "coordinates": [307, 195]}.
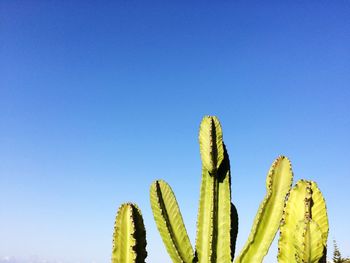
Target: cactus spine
{"type": "Point", "coordinates": [129, 238]}
{"type": "Point", "coordinates": [267, 220]}
{"type": "Point", "coordinates": [304, 228]}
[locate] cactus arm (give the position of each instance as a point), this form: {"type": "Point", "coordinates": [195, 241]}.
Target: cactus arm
{"type": "Point", "coordinates": [270, 212]}
{"type": "Point", "coordinates": [308, 242]}
{"type": "Point", "coordinates": [129, 238]}
{"type": "Point", "coordinates": [304, 192]}
{"type": "Point", "coordinates": [211, 144]}
{"type": "Point", "coordinates": [170, 224]}
{"type": "Point", "coordinates": [213, 242]}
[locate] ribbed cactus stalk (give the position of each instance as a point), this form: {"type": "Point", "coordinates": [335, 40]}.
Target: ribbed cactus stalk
{"type": "Point", "coordinates": [213, 242]}
{"type": "Point", "coordinates": [129, 238]}
{"type": "Point", "coordinates": [304, 228]}
{"type": "Point", "coordinates": [267, 220]}
{"type": "Point", "coordinates": [170, 223]}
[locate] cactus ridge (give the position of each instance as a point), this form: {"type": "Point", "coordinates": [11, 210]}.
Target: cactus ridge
{"type": "Point", "coordinates": [267, 219]}
{"type": "Point", "coordinates": [129, 238]}
{"type": "Point", "coordinates": [314, 213]}
{"type": "Point", "coordinates": [170, 223]}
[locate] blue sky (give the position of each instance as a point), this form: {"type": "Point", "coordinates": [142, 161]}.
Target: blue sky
{"type": "Point", "coordinates": [97, 100]}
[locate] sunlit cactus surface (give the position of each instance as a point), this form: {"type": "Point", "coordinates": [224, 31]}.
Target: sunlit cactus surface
{"type": "Point", "coordinates": [300, 214]}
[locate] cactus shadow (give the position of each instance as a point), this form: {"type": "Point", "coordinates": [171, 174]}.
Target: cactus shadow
{"type": "Point", "coordinates": [224, 167]}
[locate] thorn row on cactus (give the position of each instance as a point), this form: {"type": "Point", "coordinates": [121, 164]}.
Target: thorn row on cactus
{"type": "Point", "coordinates": [308, 201]}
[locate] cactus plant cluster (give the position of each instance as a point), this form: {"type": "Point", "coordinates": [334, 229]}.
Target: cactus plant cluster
{"type": "Point", "coordinates": [300, 215]}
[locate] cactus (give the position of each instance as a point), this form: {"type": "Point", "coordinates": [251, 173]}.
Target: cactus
{"type": "Point", "coordinates": [129, 238]}
{"type": "Point", "coordinates": [213, 242]}
{"type": "Point", "coordinates": [304, 227]}
{"type": "Point", "coordinates": [302, 219]}
{"type": "Point", "coordinates": [267, 220]}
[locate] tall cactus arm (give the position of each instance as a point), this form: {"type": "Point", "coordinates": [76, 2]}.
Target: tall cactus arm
{"type": "Point", "coordinates": [267, 220]}
{"type": "Point", "coordinates": [213, 242]}
{"type": "Point", "coordinates": [170, 224]}
{"type": "Point", "coordinates": [308, 242]}
{"type": "Point", "coordinates": [304, 192]}
{"type": "Point", "coordinates": [129, 238]}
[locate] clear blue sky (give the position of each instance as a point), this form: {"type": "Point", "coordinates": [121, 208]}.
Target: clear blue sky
{"type": "Point", "coordinates": [100, 98]}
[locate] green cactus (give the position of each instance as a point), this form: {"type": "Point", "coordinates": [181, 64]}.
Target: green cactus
{"type": "Point", "coordinates": [304, 227]}
{"type": "Point", "coordinates": [129, 238]}
{"type": "Point", "coordinates": [267, 220]}
{"type": "Point", "coordinates": [302, 219]}
{"type": "Point", "coordinates": [213, 243]}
